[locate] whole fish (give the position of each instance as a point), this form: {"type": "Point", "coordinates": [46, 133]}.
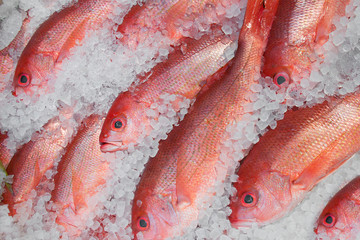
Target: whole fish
{"type": "Point", "coordinates": [33, 159]}
{"type": "Point", "coordinates": [176, 183]}
{"type": "Point", "coordinates": [299, 28]}
{"type": "Point", "coordinates": [340, 219]}
{"type": "Point", "coordinates": [52, 41]}
{"type": "Point", "coordinates": [82, 169]}
{"type": "Point", "coordinates": [182, 75]}
{"type": "Point", "coordinates": [287, 162]}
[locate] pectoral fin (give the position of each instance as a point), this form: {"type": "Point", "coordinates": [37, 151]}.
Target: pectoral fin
{"type": "Point", "coordinates": [77, 35]}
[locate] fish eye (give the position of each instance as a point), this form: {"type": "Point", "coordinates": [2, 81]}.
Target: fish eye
{"type": "Point", "coordinates": [248, 199]}
{"type": "Point", "coordinates": [328, 220]}
{"type": "Point", "coordinates": [118, 124]}
{"type": "Point", "coordinates": [24, 80]}
{"type": "Point", "coordinates": [281, 79]}
{"type": "Point", "coordinates": [143, 223]}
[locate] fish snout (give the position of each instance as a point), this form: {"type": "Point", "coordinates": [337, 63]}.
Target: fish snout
{"type": "Point", "coordinates": [241, 223]}
{"type": "Point", "coordinates": [111, 146]}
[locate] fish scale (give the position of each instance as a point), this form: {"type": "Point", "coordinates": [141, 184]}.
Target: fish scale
{"type": "Point", "coordinates": [6, 55]}
{"type": "Point", "coordinates": [5, 155]}
{"type": "Point", "coordinates": [33, 159]}
{"type": "Point", "coordinates": [299, 28]}
{"type": "Point", "coordinates": [306, 146]}
{"type": "Point", "coordinates": [76, 181]}
{"type": "Point", "coordinates": [180, 74]}
{"type": "Point", "coordinates": [344, 209]}
{"type": "Point", "coordinates": [183, 76]}
{"type": "Point", "coordinates": [191, 152]}
{"type": "Point", "coordinates": [52, 41]}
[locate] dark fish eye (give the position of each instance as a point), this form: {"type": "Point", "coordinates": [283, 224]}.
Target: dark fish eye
{"type": "Point", "coordinates": [328, 220]}
{"type": "Point", "coordinates": [118, 123]}
{"type": "Point", "coordinates": [143, 223]}
{"type": "Point", "coordinates": [23, 80]}
{"type": "Point", "coordinates": [281, 79]}
{"type": "Point", "coordinates": [248, 199]}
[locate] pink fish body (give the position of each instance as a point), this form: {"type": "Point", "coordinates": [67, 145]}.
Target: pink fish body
{"type": "Point", "coordinates": [183, 75]}
{"type": "Point", "coordinates": [52, 41]}
{"type": "Point", "coordinates": [175, 184]}
{"type": "Point", "coordinates": [287, 162]}
{"type": "Point", "coordinates": [33, 159]}
{"type": "Point", "coordinates": [82, 169]}
{"type": "Point", "coordinates": [7, 57]}
{"type": "Point", "coordinates": [340, 219]}
{"type": "Point", "coordinates": [5, 155]}
{"type": "Point", "coordinates": [299, 28]}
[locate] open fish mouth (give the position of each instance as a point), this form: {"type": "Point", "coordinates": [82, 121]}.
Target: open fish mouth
{"type": "Point", "coordinates": [111, 146]}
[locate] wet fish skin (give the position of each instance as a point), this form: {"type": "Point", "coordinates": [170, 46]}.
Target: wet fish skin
{"type": "Point", "coordinates": [340, 219]}
{"type": "Point", "coordinates": [6, 55]}
{"type": "Point", "coordinates": [299, 28]}
{"type": "Point", "coordinates": [82, 169]}
{"type": "Point", "coordinates": [33, 159]}
{"type": "Point", "coordinates": [5, 157]}
{"type": "Point", "coordinates": [51, 44]}
{"type": "Point", "coordinates": [5, 154]}
{"type": "Point", "coordinates": [287, 162]}
{"type": "Point", "coordinates": [148, 19]}
{"type": "Point", "coordinates": [176, 182]}
{"type": "Point", "coordinates": [52, 41]}
{"type": "Point", "coordinates": [183, 75]}
{"type": "Point", "coordinates": [7, 59]}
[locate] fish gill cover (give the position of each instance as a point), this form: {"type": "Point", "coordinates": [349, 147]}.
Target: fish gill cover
{"type": "Point", "coordinates": [98, 70]}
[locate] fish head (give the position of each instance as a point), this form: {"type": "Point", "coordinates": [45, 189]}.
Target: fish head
{"type": "Point", "coordinates": [32, 73]}
{"type": "Point", "coordinates": [154, 216]}
{"type": "Point", "coordinates": [291, 64]}
{"type": "Point", "coordinates": [259, 199]}
{"type": "Point", "coordinates": [339, 218]}
{"type": "Point", "coordinates": [125, 123]}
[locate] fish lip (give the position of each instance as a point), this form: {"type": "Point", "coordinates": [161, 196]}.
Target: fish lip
{"type": "Point", "coordinates": [236, 223]}
{"type": "Point", "coordinates": [111, 146]}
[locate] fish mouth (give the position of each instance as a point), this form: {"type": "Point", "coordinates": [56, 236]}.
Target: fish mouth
{"type": "Point", "coordinates": [111, 146]}
{"type": "Point", "coordinates": [239, 223]}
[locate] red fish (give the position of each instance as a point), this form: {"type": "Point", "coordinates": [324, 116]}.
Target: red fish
{"type": "Point", "coordinates": [33, 159]}
{"type": "Point", "coordinates": [340, 219]}
{"type": "Point", "coordinates": [147, 20]}
{"type": "Point", "coordinates": [287, 162]}
{"type": "Point", "coordinates": [6, 55]}
{"type": "Point", "coordinates": [52, 41]}
{"type": "Point", "coordinates": [299, 28]}
{"type": "Point", "coordinates": [176, 183]}
{"type": "Point", "coordinates": [182, 75]}
{"type": "Point", "coordinates": [5, 155]}
{"type": "Point", "coordinates": [82, 169]}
